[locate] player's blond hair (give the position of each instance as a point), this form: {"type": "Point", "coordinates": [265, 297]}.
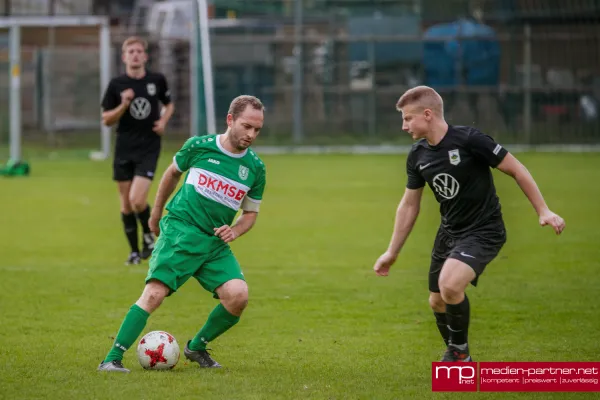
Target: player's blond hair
{"type": "Point", "coordinates": [239, 104]}
{"type": "Point", "coordinates": [132, 40]}
{"type": "Point", "coordinates": [423, 97]}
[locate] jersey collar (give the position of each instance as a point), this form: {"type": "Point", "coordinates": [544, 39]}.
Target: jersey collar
{"type": "Point", "coordinates": [439, 145]}
{"type": "Point", "coordinates": [230, 154]}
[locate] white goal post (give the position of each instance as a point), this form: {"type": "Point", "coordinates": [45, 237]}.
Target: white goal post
{"type": "Point", "coordinates": [14, 24]}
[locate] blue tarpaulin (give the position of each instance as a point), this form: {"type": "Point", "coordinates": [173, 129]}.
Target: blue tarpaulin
{"type": "Point", "coordinates": [470, 57]}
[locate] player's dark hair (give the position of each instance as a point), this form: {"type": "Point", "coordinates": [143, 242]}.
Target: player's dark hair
{"type": "Point", "coordinates": [422, 96]}
{"type": "Point", "coordinates": [239, 104]}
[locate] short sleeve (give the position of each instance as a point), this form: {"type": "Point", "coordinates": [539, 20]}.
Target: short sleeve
{"type": "Point", "coordinates": [484, 148]}
{"type": "Point", "coordinates": [112, 98]}
{"type": "Point", "coordinates": [184, 157]}
{"type": "Point", "coordinates": [257, 189]}
{"type": "Point", "coordinates": [415, 179]}
{"type": "Point", "coordinates": [164, 94]}
{"type": "Point", "coordinates": [254, 197]}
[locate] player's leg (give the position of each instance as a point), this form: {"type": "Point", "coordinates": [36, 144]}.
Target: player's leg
{"type": "Point", "coordinates": [223, 277]}
{"type": "Point", "coordinates": [441, 249]}
{"type": "Point", "coordinates": [454, 279]}
{"type": "Point", "coordinates": [144, 173]}
{"type": "Point", "coordinates": [170, 267]}
{"type": "Point", "coordinates": [123, 171]}
{"type": "Point", "coordinates": [465, 264]}
{"type": "Point", "coordinates": [233, 297]}
{"type": "Point", "coordinates": [439, 312]}
{"type": "Point", "coordinates": [133, 324]}
{"type": "Point", "coordinates": [138, 196]}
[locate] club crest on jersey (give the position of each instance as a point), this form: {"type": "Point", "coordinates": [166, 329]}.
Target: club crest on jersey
{"type": "Point", "coordinates": [454, 157]}
{"type": "Point", "coordinates": [243, 172]}
{"type": "Point", "coordinates": [151, 88]}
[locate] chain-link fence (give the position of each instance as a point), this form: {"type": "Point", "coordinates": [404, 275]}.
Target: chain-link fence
{"type": "Point", "coordinates": [525, 71]}
{"type": "Point", "coordinates": [60, 85]}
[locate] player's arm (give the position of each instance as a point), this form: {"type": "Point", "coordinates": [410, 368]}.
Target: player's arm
{"type": "Point", "coordinates": [166, 187]}
{"type": "Point", "coordinates": [406, 216]}
{"type": "Point", "coordinates": [168, 107]}
{"type": "Point", "coordinates": [250, 207]}
{"type": "Point", "coordinates": [243, 224]}
{"type": "Point", "coordinates": [112, 111]}
{"type": "Point", "coordinates": [512, 167]}
{"type": "Point", "coordinates": [166, 114]}
{"type": "Point", "coordinates": [111, 117]}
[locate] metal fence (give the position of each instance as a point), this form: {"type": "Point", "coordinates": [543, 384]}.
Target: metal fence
{"type": "Point", "coordinates": [330, 72]}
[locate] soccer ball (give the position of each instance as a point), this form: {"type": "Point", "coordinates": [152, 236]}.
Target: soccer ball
{"type": "Point", "coordinates": [158, 350]}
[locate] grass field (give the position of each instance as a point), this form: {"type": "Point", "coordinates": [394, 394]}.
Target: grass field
{"type": "Point", "coordinates": [320, 324]}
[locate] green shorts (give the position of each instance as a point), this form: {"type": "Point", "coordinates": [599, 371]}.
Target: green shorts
{"type": "Point", "coordinates": [182, 251]}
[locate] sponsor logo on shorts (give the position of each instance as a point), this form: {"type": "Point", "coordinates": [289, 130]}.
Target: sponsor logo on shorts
{"type": "Point", "coordinates": [217, 187]}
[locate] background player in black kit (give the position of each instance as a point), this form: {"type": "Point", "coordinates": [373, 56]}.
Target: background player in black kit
{"type": "Point", "coordinates": [133, 100]}
{"type": "Point", "coordinates": [455, 162]}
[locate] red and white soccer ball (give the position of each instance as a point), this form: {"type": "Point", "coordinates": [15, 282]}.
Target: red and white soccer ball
{"type": "Point", "coordinates": [158, 350]}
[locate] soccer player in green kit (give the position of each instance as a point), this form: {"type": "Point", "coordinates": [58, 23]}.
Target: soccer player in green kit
{"type": "Point", "coordinates": [223, 175]}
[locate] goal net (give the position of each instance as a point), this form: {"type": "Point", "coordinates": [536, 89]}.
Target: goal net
{"type": "Point", "coordinates": [52, 73]}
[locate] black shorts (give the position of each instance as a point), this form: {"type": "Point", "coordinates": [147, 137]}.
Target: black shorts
{"type": "Point", "coordinates": [126, 167]}
{"type": "Point", "coordinates": [476, 249]}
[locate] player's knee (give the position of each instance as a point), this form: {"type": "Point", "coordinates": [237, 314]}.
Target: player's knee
{"type": "Point", "coordinates": [138, 204]}
{"type": "Point", "coordinates": [436, 302]}
{"type": "Point", "coordinates": [450, 293]}
{"type": "Point", "coordinates": [126, 206]}
{"type": "Point", "coordinates": [234, 295]}
{"type": "Point", "coordinates": [153, 295]}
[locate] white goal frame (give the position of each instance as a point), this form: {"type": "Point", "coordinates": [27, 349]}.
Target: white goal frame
{"type": "Point", "coordinates": [14, 24]}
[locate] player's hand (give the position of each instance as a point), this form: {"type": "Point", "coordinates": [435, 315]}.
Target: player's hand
{"type": "Point", "coordinates": [159, 127]}
{"type": "Point", "coordinates": [126, 96]}
{"type": "Point", "coordinates": [153, 223]}
{"type": "Point", "coordinates": [554, 220]}
{"type": "Point", "coordinates": [226, 233]}
{"type": "Point", "coordinates": [383, 264]}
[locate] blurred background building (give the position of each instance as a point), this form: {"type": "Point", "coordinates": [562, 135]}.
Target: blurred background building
{"type": "Point", "coordinates": [525, 71]}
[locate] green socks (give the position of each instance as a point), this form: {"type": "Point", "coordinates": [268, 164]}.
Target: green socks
{"type": "Point", "coordinates": [131, 328]}
{"type": "Point", "coordinates": [219, 321]}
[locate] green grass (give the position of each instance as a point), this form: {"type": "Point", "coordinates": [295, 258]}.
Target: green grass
{"type": "Point", "coordinates": [320, 324]}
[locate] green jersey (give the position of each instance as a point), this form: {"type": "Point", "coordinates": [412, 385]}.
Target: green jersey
{"type": "Point", "coordinates": [218, 183]}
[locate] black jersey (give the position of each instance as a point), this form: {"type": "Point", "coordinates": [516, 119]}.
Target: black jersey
{"type": "Point", "coordinates": [135, 134]}
{"type": "Point", "coordinates": [458, 172]}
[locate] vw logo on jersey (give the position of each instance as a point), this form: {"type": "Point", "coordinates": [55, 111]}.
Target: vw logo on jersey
{"type": "Point", "coordinates": [140, 108]}
{"type": "Point", "coordinates": [445, 185]}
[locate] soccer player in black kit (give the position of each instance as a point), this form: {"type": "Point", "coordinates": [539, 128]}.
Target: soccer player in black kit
{"type": "Point", "coordinates": [133, 100]}
{"type": "Point", "coordinates": [455, 162]}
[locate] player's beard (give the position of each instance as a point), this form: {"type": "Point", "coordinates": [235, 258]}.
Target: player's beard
{"type": "Point", "coordinates": [237, 140]}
